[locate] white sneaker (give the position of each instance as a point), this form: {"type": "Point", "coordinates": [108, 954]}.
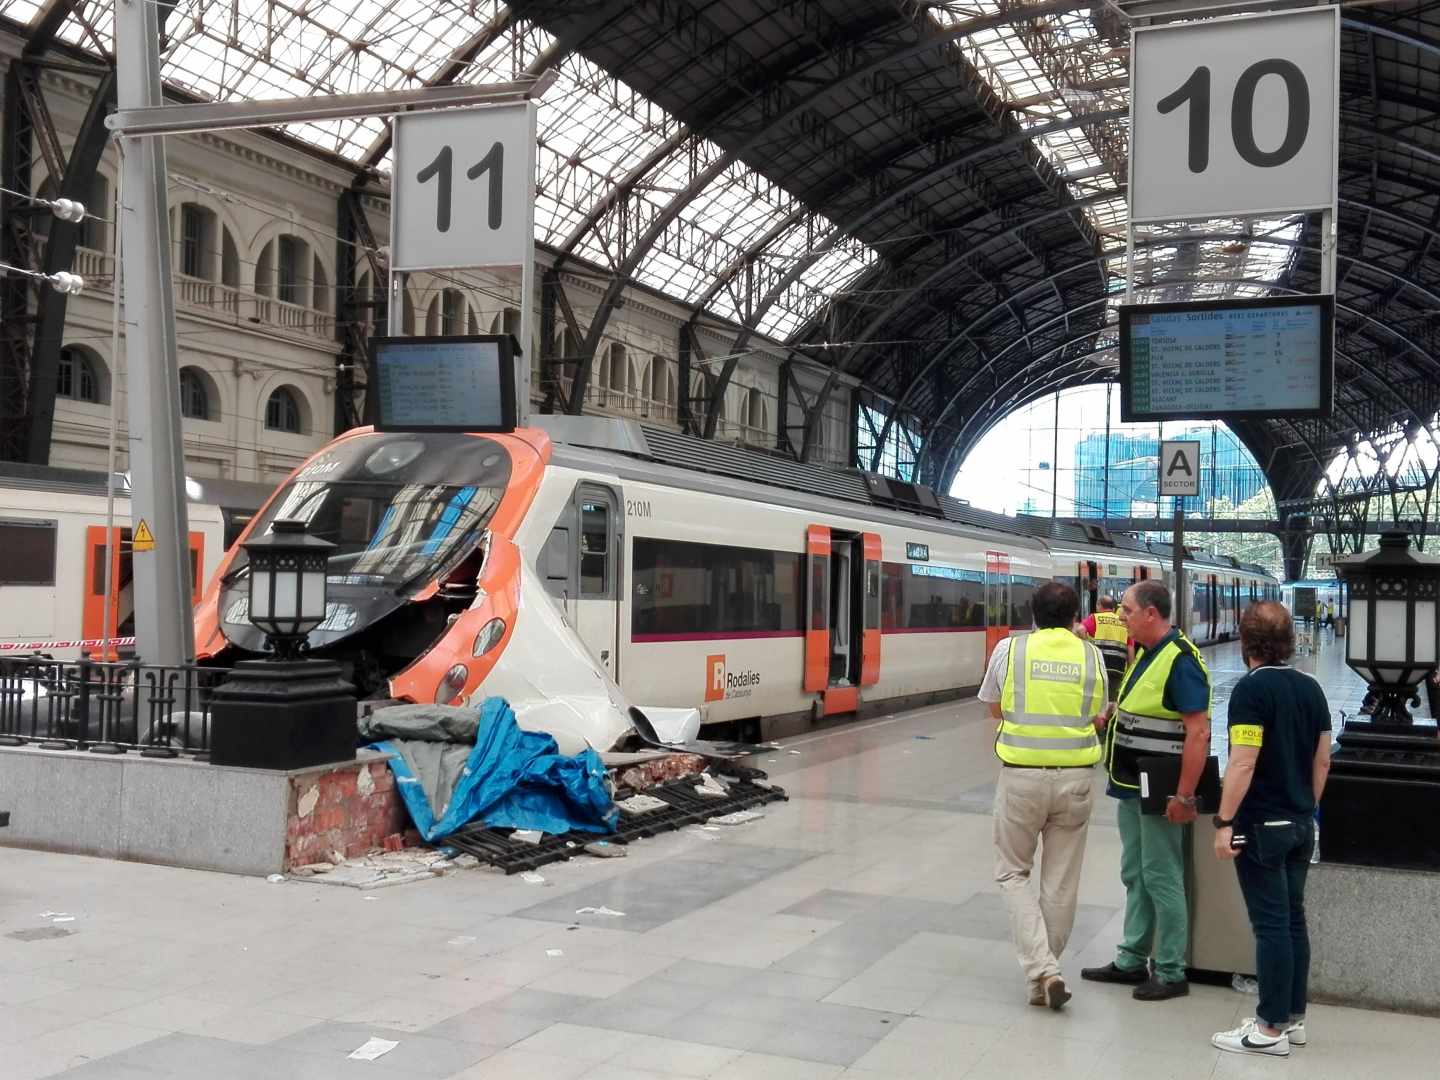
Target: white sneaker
{"type": "Point", "coordinates": [1249, 1039]}
{"type": "Point", "coordinates": [1295, 1032]}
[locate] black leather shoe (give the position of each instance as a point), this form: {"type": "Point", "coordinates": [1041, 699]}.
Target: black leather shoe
{"type": "Point", "coordinates": [1112, 974]}
{"type": "Point", "coordinates": [1159, 990]}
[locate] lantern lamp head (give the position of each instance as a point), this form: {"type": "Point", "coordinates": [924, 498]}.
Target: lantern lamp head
{"type": "Point", "coordinates": [1394, 629]}
{"type": "Point", "coordinates": [287, 585]}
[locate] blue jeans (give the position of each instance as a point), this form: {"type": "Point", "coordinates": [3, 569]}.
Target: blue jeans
{"type": "Point", "coordinates": [1272, 869]}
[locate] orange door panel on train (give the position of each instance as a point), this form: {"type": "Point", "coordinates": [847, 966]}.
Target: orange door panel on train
{"type": "Point", "coordinates": [817, 615]}
{"type": "Point", "coordinates": [122, 604]}
{"type": "Point", "coordinates": [997, 599]}
{"type": "Point", "coordinates": [870, 633]}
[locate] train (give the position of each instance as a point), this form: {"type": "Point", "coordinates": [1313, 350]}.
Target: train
{"type": "Point", "coordinates": [610, 563]}
{"type": "Point", "coordinates": [53, 574]}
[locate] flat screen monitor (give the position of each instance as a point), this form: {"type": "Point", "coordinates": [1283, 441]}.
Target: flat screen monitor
{"type": "Point", "coordinates": [450, 383]}
{"type": "Point", "coordinates": [1228, 359]}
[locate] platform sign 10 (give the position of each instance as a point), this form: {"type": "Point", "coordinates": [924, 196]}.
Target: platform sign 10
{"type": "Point", "coordinates": [1235, 117]}
{"type": "Point", "coordinates": [462, 188]}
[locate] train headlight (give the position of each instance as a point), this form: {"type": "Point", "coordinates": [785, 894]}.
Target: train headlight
{"type": "Point", "coordinates": [489, 636]}
{"type": "Point", "coordinates": [451, 685]}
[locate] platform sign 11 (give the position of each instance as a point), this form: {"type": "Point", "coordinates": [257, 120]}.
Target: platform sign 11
{"type": "Point", "coordinates": [463, 188]}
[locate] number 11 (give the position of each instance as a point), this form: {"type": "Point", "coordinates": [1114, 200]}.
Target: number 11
{"type": "Point", "coordinates": [439, 169]}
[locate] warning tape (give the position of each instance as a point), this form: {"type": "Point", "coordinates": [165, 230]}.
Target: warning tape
{"type": "Point", "coordinates": [27, 646]}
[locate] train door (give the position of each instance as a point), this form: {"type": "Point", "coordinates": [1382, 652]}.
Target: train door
{"type": "Point", "coordinates": [121, 607]}
{"type": "Point", "coordinates": [1089, 588]}
{"type": "Point", "coordinates": [594, 610]}
{"type": "Point", "coordinates": [997, 600]}
{"type": "Point", "coordinates": [842, 635]}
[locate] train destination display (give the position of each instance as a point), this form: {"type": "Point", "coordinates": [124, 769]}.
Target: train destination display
{"type": "Point", "coordinates": [453, 383]}
{"type": "Point", "coordinates": [1227, 359]}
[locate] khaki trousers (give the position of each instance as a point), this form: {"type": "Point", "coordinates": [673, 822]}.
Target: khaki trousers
{"type": "Point", "coordinates": [1029, 804]}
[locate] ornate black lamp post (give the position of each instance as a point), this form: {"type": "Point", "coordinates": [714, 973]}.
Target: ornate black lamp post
{"type": "Point", "coordinates": [289, 712]}
{"type": "Point", "coordinates": [1387, 771]}
{"type": "Point", "coordinates": [287, 585]}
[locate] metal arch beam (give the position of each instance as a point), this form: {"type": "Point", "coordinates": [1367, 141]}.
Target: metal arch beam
{"type": "Point", "coordinates": [947, 268]}
{"type": "Point", "coordinates": [1364, 26]}
{"type": "Point", "coordinates": [938, 40]}
{"type": "Point", "coordinates": [686, 132]}
{"type": "Point", "coordinates": [968, 444]}
{"type": "Point", "coordinates": [76, 183]}
{"type": "Point", "coordinates": [950, 349]}
{"type": "Point", "coordinates": [1405, 220]}
{"type": "Point", "coordinates": [950, 404]}
{"type": "Point", "coordinates": [45, 24]}
{"type": "Point", "coordinates": [916, 184]}
{"type": "Point", "coordinates": [621, 276]}
{"type": "Point", "coordinates": [743, 337]}
{"type": "Point", "coordinates": [453, 69]}
{"type": "Point", "coordinates": [1162, 242]}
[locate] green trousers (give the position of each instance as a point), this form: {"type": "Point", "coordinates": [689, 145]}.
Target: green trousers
{"type": "Point", "coordinates": [1152, 867]}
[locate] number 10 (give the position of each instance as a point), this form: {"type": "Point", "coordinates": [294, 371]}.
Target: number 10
{"type": "Point", "coordinates": [1196, 91]}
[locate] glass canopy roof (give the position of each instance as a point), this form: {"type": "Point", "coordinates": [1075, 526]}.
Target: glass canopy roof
{"type": "Point", "coordinates": [594, 132]}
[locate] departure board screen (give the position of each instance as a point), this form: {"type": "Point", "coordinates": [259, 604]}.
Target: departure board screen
{"type": "Point", "coordinates": [1222, 360]}
{"type": "Point", "coordinates": [460, 383]}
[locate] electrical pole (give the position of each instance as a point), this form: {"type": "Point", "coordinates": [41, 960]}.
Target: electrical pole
{"type": "Point", "coordinates": [164, 630]}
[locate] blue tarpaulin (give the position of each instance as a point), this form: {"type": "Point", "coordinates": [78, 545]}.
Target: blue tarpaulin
{"type": "Point", "coordinates": [511, 778]}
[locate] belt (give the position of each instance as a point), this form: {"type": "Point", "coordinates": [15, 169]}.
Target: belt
{"type": "Point", "coordinates": [1052, 768]}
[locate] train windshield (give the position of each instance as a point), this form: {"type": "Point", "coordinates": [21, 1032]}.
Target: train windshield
{"type": "Point", "coordinates": [399, 508]}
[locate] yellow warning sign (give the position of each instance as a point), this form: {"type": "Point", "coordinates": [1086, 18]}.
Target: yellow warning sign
{"type": "Point", "coordinates": [144, 539]}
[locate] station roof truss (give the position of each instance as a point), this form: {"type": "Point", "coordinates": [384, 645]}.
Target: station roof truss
{"type": "Point", "coordinates": [924, 199]}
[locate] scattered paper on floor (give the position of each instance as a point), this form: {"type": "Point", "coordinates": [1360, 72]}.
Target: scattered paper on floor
{"type": "Point", "coordinates": [372, 1049]}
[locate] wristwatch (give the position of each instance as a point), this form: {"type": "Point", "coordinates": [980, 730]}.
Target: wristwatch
{"type": "Point", "coordinates": [1222, 823]}
{"type": "Point", "coordinates": [1185, 800]}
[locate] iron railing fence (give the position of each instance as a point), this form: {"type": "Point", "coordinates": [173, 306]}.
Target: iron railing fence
{"type": "Point", "coordinates": [106, 708]}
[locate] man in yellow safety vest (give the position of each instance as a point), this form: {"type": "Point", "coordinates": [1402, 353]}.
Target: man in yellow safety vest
{"type": "Point", "coordinates": [1163, 709]}
{"type": "Point", "coordinates": [1110, 636]}
{"type": "Point", "coordinates": [1047, 689]}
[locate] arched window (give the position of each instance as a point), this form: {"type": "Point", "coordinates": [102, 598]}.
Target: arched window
{"type": "Point", "coordinates": [472, 321]}
{"type": "Point", "coordinates": [194, 394]}
{"type": "Point", "coordinates": [755, 412]}
{"type": "Point", "coordinates": [95, 233]}
{"type": "Point", "coordinates": [407, 313]}
{"type": "Point", "coordinates": [320, 290]}
{"type": "Point", "coordinates": [507, 322]}
{"type": "Point", "coordinates": [229, 260]}
{"type": "Point", "coordinates": [282, 411]}
{"type": "Point", "coordinates": [79, 375]}
{"type": "Point", "coordinates": [197, 241]}
{"type": "Point", "coordinates": [283, 270]}
{"type": "Point", "coordinates": [452, 311]}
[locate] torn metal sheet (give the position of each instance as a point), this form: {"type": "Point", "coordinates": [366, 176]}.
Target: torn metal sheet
{"type": "Point", "coordinates": [724, 750]}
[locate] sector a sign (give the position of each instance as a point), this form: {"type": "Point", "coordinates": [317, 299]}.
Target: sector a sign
{"type": "Point", "coordinates": [1180, 467]}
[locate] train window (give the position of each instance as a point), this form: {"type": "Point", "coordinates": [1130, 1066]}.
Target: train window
{"type": "Point", "coordinates": [931, 597]}
{"type": "Point", "coordinates": [819, 591]}
{"type": "Point", "coordinates": [594, 549]}
{"type": "Point", "coordinates": [29, 548]}
{"type": "Point", "coordinates": [1022, 591]}
{"type": "Point", "coordinates": [688, 589]}
{"type": "Point", "coordinates": [872, 595]}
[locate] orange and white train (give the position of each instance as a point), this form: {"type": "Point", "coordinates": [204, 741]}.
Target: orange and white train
{"type": "Point", "coordinates": [669, 572]}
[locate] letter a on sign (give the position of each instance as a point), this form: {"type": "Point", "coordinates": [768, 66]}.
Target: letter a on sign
{"type": "Point", "coordinates": [1180, 467]}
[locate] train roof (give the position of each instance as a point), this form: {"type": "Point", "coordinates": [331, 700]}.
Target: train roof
{"type": "Point", "coordinates": [664, 446]}
{"type": "Point", "coordinates": [226, 494]}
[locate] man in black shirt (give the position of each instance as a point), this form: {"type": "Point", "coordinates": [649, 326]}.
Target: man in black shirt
{"type": "Point", "coordinates": [1279, 759]}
